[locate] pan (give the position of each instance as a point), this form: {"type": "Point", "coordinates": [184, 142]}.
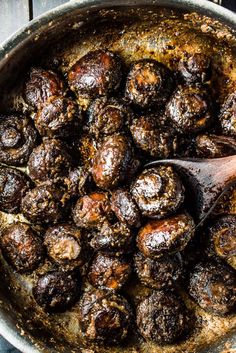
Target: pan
{"type": "Point", "coordinates": [135, 29]}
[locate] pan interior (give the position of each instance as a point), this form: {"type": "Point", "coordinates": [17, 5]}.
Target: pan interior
{"type": "Point", "coordinates": [136, 33]}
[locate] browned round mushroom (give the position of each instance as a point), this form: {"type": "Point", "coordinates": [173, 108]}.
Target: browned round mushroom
{"type": "Point", "coordinates": [108, 271]}
{"type": "Point", "coordinates": [50, 160]}
{"type": "Point", "coordinates": [112, 161]}
{"type": "Point", "coordinates": [149, 136]}
{"type": "Point", "coordinates": [166, 236]}
{"type": "Point", "coordinates": [222, 235]}
{"type": "Point", "coordinates": [195, 68]}
{"type": "Point", "coordinates": [125, 208]}
{"type": "Point", "coordinates": [148, 83]}
{"type": "Point", "coordinates": [91, 210]}
{"type": "Point", "coordinates": [43, 204]}
{"type": "Point", "coordinates": [95, 74]}
{"type": "Point", "coordinates": [14, 184]}
{"type": "Point", "coordinates": [158, 191]}
{"type": "Point", "coordinates": [17, 139]}
{"type": "Point", "coordinates": [108, 116]}
{"type": "Point", "coordinates": [114, 238]}
{"type": "Point", "coordinates": [41, 85]}
{"type": "Point", "coordinates": [57, 291]}
{"type": "Point", "coordinates": [161, 273]}
{"type": "Point", "coordinates": [59, 117]}
{"type": "Point", "coordinates": [161, 317]}
{"type": "Point", "coordinates": [64, 245]}
{"type": "Point", "coordinates": [214, 146]}
{"type": "Point", "coordinates": [228, 115]}
{"type": "Point", "coordinates": [22, 247]}
{"type": "Point", "coordinates": [105, 317]}
{"type": "Point", "coordinates": [213, 286]}
{"type": "Point", "coordinates": [189, 109]}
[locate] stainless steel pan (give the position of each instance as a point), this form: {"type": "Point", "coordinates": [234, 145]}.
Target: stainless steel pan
{"type": "Point", "coordinates": [16, 54]}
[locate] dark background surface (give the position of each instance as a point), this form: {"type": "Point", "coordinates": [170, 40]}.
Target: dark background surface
{"type": "Point", "coordinates": [16, 13]}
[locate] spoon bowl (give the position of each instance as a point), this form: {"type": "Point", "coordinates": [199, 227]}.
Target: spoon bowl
{"type": "Point", "coordinates": [206, 181]}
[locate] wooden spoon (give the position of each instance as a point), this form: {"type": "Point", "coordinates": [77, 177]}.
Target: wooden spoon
{"type": "Point", "coordinates": [206, 180]}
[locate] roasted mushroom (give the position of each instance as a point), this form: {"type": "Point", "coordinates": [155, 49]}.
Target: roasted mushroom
{"type": "Point", "coordinates": [148, 83]}
{"type": "Point", "coordinates": [189, 109]}
{"type": "Point", "coordinates": [161, 273]}
{"type": "Point", "coordinates": [214, 146]}
{"type": "Point", "coordinates": [97, 73]}
{"type": "Point", "coordinates": [158, 191]}
{"type": "Point", "coordinates": [91, 210]}
{"type": "Point", "coordinates": [108, 116]}
{"type": "Point", "coordinates": [228, 115]}
{"type": "Point", "coordinates": [115, 238]}
{"type": "Point", "coordinates": [87, 146]}
{"type": "Point", "coordinates": [158, 142]}
{"type": "Point", "coordinates": [43, 204]}
{"type": "Point", "coordinates": [59, 117]}
{"type": "Point", "coordinates": [57, 291]}
{"type": "Point", "coordinates": [112, 161]}
{"type": "Point", "coordinates": [161, 317]}
{"type": "Point", "coordinates": [22, 247]}
{"type": "Point", "coordinates": [213, 286]}
{"type": "Point", "coordinates": [162, 237]}
{"type": "Point", "coordinates": [125, 208]}
{"type": "Point", "coordinates": [109, 272]}
{"type": "Point", "coordinates": [195, 68]}
{"type": "Point", "coordinates": [104, 317]}
{"type": "Point", "coordinates": [76, 182]}
{"type": "Point", "coordinates": [64, 245]}
{"type": "Point", "coordinates": [41, 85]}
{"type": "Point", "coordinates": [222, 234]}
{"type": "Point", "coordinates": [14, 184]}
{"type": "Point", "coordinates": [50, 160]}
{"type": "Point", "coordinates": [17, 139]}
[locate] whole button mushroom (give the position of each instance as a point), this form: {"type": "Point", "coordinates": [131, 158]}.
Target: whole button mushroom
{"type": "Point", "coordinates": [104, 317]}
{"type": "Point", "coordinates": [113, 238]}
{"type": "Point", "coordinates": [227, 115]}
{"type": "Point", "coordinates": [59, 117]}
{"type": "Point", "coordinates": [195, 68]}
{"type": "Point", "coordinates": [161, 273]}
{"type": "Point", "coordinates": [50, 160]}
{"type": "Point", "coordinates": [222, 234]}
{"type": "Point", "coordinates": [64, 245]}
{"type": "Point", "coordinates": [158, 192]}
{"type": "Point", "coordinates": [88, 147]}
{"type": "Point", "coordinates": [91, 210]}
{"type": "Point", "coordinates": [77, 181]}
{"type": "Point", "coordinates": [148, 83]}
{"type": "Point", "coordinates": [108, 271]}
{"type": "Point", "coordinates": [14, 184]}
{"type": "Point", "coordinates": [162, 237]}
{"type": "Point", "coordinates": [214, 146]}
{"type": "Point", "coordinates": [43, 204]}
{"type": "Point", "coordinates": [108, 116]}
{"type": "Point", "coordinates": [97, 73]}
{"type": "Point", "coordinates": [22, 247]}
{"type": "Point", "coordinates": [112, 162]}
{"type": "Point", "coordinates": [147, 134]}
{"type": "Point", "coordinates": [41, 85]}
{"type": "Point", "coordinates": [189, 109]}
{"type": "Point", "coordinates": [213, 286]}
{"type": "Point", "coordinates": [17, 139]}
{"type": "Point", "coordinates": [125, 208]}
{"type": "Point", "coordinates": [162, 317]}
{"type": "Point", "coordinates": [57, 291]}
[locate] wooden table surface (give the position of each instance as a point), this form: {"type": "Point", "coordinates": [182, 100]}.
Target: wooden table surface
{"type": "Point", "coordinates": [16, 13]}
